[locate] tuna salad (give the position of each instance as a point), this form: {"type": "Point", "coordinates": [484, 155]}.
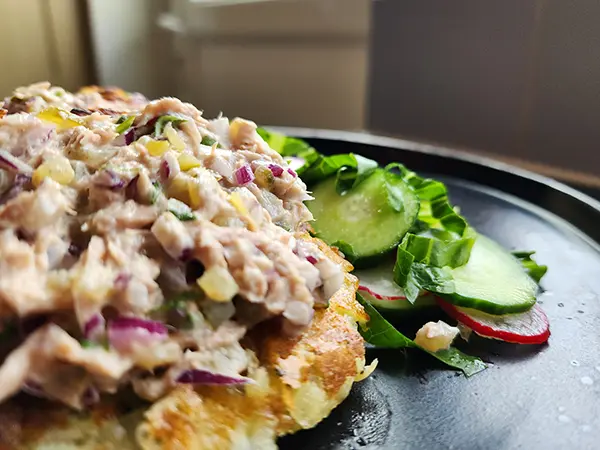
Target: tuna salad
{"type": "Point", "coordinates": [140, 242]}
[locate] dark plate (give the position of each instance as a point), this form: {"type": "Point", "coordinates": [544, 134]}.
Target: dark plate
{"type": "Point", "coordinates": [532, 397]}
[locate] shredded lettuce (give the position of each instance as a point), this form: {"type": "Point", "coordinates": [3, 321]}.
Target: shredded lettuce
{"type": "Point", "coordinates": [436, 212]}
{"type": "Point", "coordinates": [440, 240]}
{"type": "Point", "coordinates": [380, 333]}
{"type": "Point", "coordinates": [285, 145]}
{"type": "Point", "coordinates": [425, 263]}
{"type": "Point", "coordinates": [349, 169]}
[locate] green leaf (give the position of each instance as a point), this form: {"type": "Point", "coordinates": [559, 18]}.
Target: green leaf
{"type": "Point", "coordinates": [380, 333]}
{"type": "Point", "coordinates": [440, 250]}
{"type": "Point", "coordinates": [533, 269]}
{"type": "Point", "coordinates": [346, 249]}
{"type": "Point", "coordinates": [403, 266]}
{"type": "Point", "coordinates": [436, 210]}
{"type": "Point", "coordinates": [350, 169]}
{"type": "Point", "coordinates": [162, 122]}
{"type": "Point", "coordinates": [284, 145]}
{"type": "Point", "coordinates": [470, 365]}
{"type": "Point", "coordinates": [180, 210]}
{"type": "Point", "coordinates": [423, 263]}
{"type": "Point", "coordinates": [353, 169]}
{"type": "Point", "coordinates": [439, 240]}
{"type": "Point", "coordinates": [124, 124]}
{"type": "Point", "coordinates": [433, 279]}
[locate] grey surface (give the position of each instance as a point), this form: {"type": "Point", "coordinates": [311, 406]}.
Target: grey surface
{"type": "Point", "coordinates": [450, 71]}
{"type": "Point", "coordinates": [516, 77]}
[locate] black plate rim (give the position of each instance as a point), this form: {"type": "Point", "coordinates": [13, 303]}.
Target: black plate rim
{"type": "Point", "coordinates": [446, 152]}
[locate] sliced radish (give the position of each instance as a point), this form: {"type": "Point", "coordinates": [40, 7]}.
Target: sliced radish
{"type": "Point", "coordinates": [379, 282]}
{"type": "Point", "coordinates": [529, 327]}
{"type": "Point", "coordinates": [401, 303]}
{"type": "Point", "coordinates": [378, 287]}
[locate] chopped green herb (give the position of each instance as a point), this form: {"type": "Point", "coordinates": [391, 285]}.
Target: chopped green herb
{"type": "Point", "coordinates": [207, 140]}
{"type": "Point", "coordinates": [162, 122]}
{"type": "Point", "coordinates": [125, 124]}
{"type": "Point", "coordinates": [86, 343]}
{"type": "Point", "coordinates": [155, 192]}
{"type": "Point", "coordinates": [180, 210]}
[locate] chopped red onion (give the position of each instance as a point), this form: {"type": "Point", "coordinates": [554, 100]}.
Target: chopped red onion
{"type": "Point", "coordinates": [12, 164]}
{"type": "Point", "coordinates": [197, 376]}
{"type": "Point", "coordinates": [186, 254]}
{"type": "Point", "coordinates": [292, 172]}
{"type": "Point", "coordinates": [244, 175]}
{"type": "Point", "coordinates": [122, 281]}
{"type": "Point", "coordinates": [90, 397]}
{"type": "Point", "coordinates": [119, 141]}
{"type": "Point", "coordinates": [311, 259]}
{"type": "Point", "coordinates": [125, 138]}
{"type": "Point", "coordinates": [276, 170]}
{"type": "Point", "coordinates": [295, 162]}
{"type": "Point", "coordinates": [80, 112]}
{"type": "Point", "coordinates": [129, 136]}
{"type": "Point", "coordinates": [125, 332]}
{"type": "Point", "coordinates": [131, 190]}
{"type": "Point", "coordinates": [74, 249]}
{"type": "Point", "coordinates": [164, 170]}
{"type": "Point", "coordinates": [143, 130]}
{"type": "Point", "coordinates": [19, 183]}
{"type": "Point", "coordinates": [110, 180]}
{"type": "Point", "coordinates": [94, 328]}
{"type": "Point", "coordinates": [33, 389]}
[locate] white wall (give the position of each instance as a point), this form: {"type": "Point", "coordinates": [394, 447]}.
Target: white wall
{"type": "Point", "coordinates": [281, 62]}
{"type": "Point", "coordinates": [121, 31]}
{"type": "Point", "coordinates": [50, 48]}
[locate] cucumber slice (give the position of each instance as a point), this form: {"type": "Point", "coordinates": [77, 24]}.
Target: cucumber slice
{"type": "Point", "coordinates": [492, 281]}
{"type": "Point", "coordinates": [362, 223]}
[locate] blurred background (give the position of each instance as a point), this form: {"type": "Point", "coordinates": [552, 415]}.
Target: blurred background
{"type": "Point", "coordinates": [516, 79]}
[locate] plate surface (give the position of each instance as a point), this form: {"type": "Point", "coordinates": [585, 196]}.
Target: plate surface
{"type": "Point", "coordinates": [531, 397]}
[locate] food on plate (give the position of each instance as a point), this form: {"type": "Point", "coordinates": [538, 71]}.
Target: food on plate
{"type": "Point", "coordinates": [158, 285]}
{"type": "Point", "coordinates": [413, 252]}
{"type": "Point", "coordinates": [168, 281]}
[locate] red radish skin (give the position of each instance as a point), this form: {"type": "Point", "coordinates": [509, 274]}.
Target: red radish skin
{"type": "Point", "coordinates": [396, 303]}
{"type": "Point", "coordinates": [379, 282]}
{"type": "Point", "coordinates": [530, 327]}
{"type": "Point", "coordinates": [379, 296]}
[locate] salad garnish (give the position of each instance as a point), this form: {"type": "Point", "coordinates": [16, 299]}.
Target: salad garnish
{"type": "Point", "coordinates": [413, 251]}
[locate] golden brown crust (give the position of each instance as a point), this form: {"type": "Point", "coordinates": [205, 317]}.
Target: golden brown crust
{"type": "Point", "coordinates": [329, 357]}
